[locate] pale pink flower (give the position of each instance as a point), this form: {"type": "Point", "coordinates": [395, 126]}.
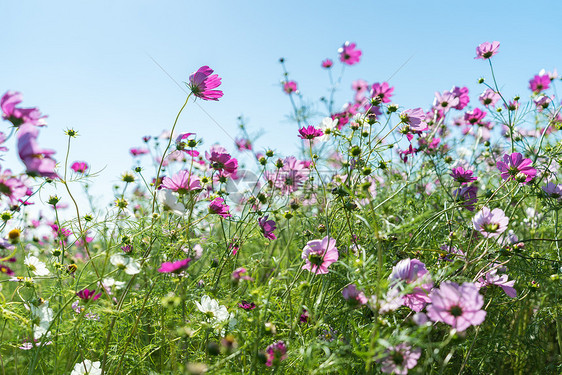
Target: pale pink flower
{"type": "Point", "coordinates": [489, 98]}
{"type": "Point", "coordinates": [319, 255]}
{"type": "Point", "coordinates": [412, 273]}
{"type": "Point", "coordinates": [182, 182]}
{"type": "Point", "coordinates": [399, 359]}
{"type": "Point", "coordinates": [492, 278]}
{"type": "Point", "coordinates": [457, 306]}
{"type": "Point", "coordinates": [486, 50]}
{"type": "Point", "coordinates": [490, 223]}
{"type": "Point", "coordinates": [415, 118]}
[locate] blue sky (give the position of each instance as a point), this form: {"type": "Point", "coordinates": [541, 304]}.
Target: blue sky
{"type": "Point", "coordinates": [86, 64]}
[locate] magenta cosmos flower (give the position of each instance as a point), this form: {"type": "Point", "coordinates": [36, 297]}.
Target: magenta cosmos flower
{"type": "Point", "coordinates": [463, 176]}
{"type": "Point", "coordinates": [399, 359]}
{"type": "Point", "coordinates": [182, 182]}
{"type": "Point", "coordinates": [217, 206]}
{"type": "Point", "coordinates": [276, 353]}
{"type": "Point", "coordinates": [382, 91]}
{"type": "Point", "coordinates": [79, 167]}
{"type": "Point", "coordinates": [319, 254]}
{"type": "Point", "coordinates": [462, 94]}
{"type": "Point", "coordinates": [289, 87]}
{"type": "Point", "coordinates": [310, 133]}
{"type": "Point", "coordinates": [174, 267]}
{"type": "Point", "coordinates": [221, 160]}
{"type": "Point", "coordinates": [466, 196]}
{"type": "Point", "coordinates": [486, 50]}
{"type": "Point", "coordinates": [88, 295]}
{"type": "Point", "coordinates": [349, 54]}
{"type": "Point", "coordinates": [515, 167]}
{"type": "Point", "coordinates": [327, 64]}
{"type": "Point", "coordinates": [203, 82]}
{"type": "Point", "coordinates": [490, 223]}
{"type": "Point", "coordinates": [457, 305]}
{"type": "Point", "coordinates": [267, 227]}
{"type": "Point", "coordinates": [539, 83]}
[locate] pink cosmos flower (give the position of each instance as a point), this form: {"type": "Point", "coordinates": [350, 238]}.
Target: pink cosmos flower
{"type": "Point", "coordinates": [492, 278]}
{"type": "Point", "coordinates": [399, 359]}
{"type": "Point", "coordinates": [243, 144]}
{"type": "Point", "coordinates": [182, 182]}
{"type": "Point", "coordinates": [247, 305]}
{"type": "Point", "coordinates": [451, 253]}
{"type": "Point", "coordinates": [11, 186]}
{"type": "Point", "coordinates": [489, 98]}
{"type": "Point", "coordinates": [382, 91]}
{"type": "Point", "coordinates": [415, 118]}
{"type": "Point", "coordinates": [445, 101]}
{"type": "Point", "coordinates": [241, 274]}
{"type": "Point", "coordinates": [289, 87]}
{"type": "Point", "coordinates": [203, 82]}
{"type": "Point", "coordinates": [327, 64]}
{"type": "Point", "coordinates": [475, 116]}
{"type": "Point", "coordinates": [486, 50]}
{"type": "Point", "coordinates": [539, 83]}
{"type": "Point", "coordinates": [458, 306]}
{"type": "Point", "coordinates": [19, 116]}
{"type": "Point", "coordinates": [466, 196]}
{"type": "Point", "coordinates": [139, 151]}
{"type": "Point", "coordinates": [174, 267]}
{"type": "Point", "coordinates": [490, 223]}
{"type": "Point", "coordinates": [267, 227]}
{"type": "Point", "coordinates": [88, 295]}
{"type": "Point", "coordinates": [310, 133]}
{"type": "Point", "coordinates": [354, 296]}
{"type": "Point", "coordinates": [515, 167]}
{"type": "Point", "coordinates": [222, 161]}
{"type": "Point", "coordinates": [217, 206]}
{"type": "Point", "coordinates": [79, 167]}
{"type": "Point", "coordinates": [319, 254]}
{"type": "Point", "coordinates": [349, 54]}
{"type": "Point", "coordinates": [290, 176]}
{"type": "Point", "coordinates": [414, 273]}
{"type": "Point", "coordinates": [38, 161]}
{"type": "Point", "coordinates": [462, 94]}
{"type": "Point", "coordinates": [276, 353]}
{"type": "Point", "coordinates": [463, 176]}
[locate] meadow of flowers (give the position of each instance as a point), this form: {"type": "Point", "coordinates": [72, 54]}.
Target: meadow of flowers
{"type": "Point", "coordinates": [396, 240]}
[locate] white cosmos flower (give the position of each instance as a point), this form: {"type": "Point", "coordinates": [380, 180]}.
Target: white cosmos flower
{"type": "Point", "coordinates": [327, 123]}
{"type": "Point", "coordinates": [169, 200]}
{"type": "Point", "coordinates": [42, 317]}
{"type": "Point", "coordinates": [87, 367]}
{"type": "Point", "coordinates": [36, 266]}
{"type": "Point", "coordinates": [108, 282]}
{"type": "Point", "coordinates": [131, 266]}
{"type": "Point", "coordinates": [210, 307]}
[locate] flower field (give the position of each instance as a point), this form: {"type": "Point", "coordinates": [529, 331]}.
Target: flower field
{"type": "Point", "coordinates": [394, 240]}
